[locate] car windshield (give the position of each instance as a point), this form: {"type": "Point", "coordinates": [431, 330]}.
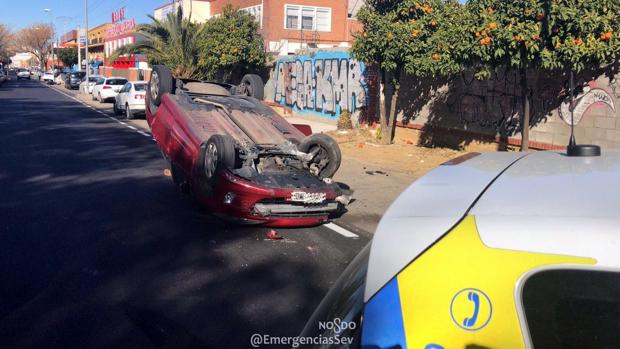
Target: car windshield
{"type": "Point", "coordinates": [92, 79]}
{"type": "Point", "coordinates": [139, 87]}
{"type": "Point", "coordinates": [116, 82]}
{"type": "Point", "coordinates": [100, 81]}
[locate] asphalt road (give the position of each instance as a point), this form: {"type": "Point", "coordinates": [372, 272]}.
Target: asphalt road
{"type": "Point", "coordinates": [98, 249]}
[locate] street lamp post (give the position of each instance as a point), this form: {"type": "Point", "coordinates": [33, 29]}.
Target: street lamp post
{"type": "Point", "coordinates": [49, 12]}
{"type": "Point", "coordinates": [86, 48]}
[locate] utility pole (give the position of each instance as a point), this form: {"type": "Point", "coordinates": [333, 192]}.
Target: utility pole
{"type": "Point", "coordinates": [86, 50]}
{"type": "Point", "coordinates": [79, 43]}
{"type": "Point", "coordinates": [49, 12]}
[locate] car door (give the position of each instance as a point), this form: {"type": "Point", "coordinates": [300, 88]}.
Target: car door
{"type": "Point", "coordinates": [122, 95]}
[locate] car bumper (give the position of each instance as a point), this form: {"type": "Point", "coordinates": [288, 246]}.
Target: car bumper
{"type": "Point", "coordinates": [255, 204]}
{"type": "Point", "coordinates": [138, 108]}
{"type": "Point", "coordinates": [108, 94]}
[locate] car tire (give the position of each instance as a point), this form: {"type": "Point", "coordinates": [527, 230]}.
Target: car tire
{"type": "Point", "coordinates": [216, 154]}
{"type": "Point", "coordinates": [161, 82]}
{"type": "Point", "coordinates": [94, 98]}
{"type": "Point", "coordinates": [128, 112]}
{"type": "Point", "coordinates": [253, 86]}
{"type": "Point", "coordinates": [116, 110]}
{"type": "Point", "coordinates": [99, 98]}
{"type": "Point", "coordinates": [327, 149]}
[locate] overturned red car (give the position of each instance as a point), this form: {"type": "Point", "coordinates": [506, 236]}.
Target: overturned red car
{"type": "Point", "coordinates": [238, 157]}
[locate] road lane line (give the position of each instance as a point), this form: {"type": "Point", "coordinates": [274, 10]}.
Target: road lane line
{"type": "Point", "coordinates": [340, 230]}
{"type": "Point", "coordinates": [101, 112]}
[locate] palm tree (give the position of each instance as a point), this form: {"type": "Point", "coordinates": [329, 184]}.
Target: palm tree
{"type": "Point", "coordinates": [172, 42]}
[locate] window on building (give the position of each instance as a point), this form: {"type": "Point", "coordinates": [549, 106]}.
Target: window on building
{"type": "Point", "coordinates": [308, 18]}
{"type": "Point", "coordinates": [256, 11]}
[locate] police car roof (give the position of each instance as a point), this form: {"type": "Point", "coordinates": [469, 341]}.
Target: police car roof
{"type": "Point", "coordinates": [540, 201]}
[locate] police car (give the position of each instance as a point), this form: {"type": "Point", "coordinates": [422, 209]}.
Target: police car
{"type": "Point", "coordinates": [497, 250]}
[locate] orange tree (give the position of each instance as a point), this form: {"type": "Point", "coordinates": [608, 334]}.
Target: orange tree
{"type": "Point", "coordinates": [538, 35]}
{"type": "Point", "coordinates": [416, 37]}
{"type": "Point", "coordinates": [582, 33]}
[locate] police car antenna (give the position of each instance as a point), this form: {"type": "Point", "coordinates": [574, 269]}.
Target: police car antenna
{"type": "Point", "coordinates": [574, 149]}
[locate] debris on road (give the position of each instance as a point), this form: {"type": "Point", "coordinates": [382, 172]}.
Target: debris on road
{"type": "Point", "coordinates": [372, 173]}
{"type": "Point", "coordinates": [273, 235]}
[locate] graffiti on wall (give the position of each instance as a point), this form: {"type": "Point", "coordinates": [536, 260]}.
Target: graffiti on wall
{"type": "Point", "coordinates": [323, 84]}
{"type": "Point", "coordinates": [588, 98]}
{"type": "Point", "coordinates": [496, 103]}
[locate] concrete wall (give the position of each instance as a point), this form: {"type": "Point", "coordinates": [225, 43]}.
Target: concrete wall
{"type": "Point", "coordinates": [493, 107]}
{"type": "Point", "coordinates": [321, 84]}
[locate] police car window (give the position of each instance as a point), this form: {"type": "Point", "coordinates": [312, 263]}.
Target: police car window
{"type": "Point", "coordinates": [573, 309]}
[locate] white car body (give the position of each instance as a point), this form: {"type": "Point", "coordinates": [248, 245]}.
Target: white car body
{"type": "Point", "coordinates": [23, 74]}
{"type": "Point", "coordinates": [48, 77]}
{"type": "Point", "coordinates": [131, 99]}
{"type": "Point", "coordinates": [87, 87]}
{"type": "Point", "coordinates": [107, 88]}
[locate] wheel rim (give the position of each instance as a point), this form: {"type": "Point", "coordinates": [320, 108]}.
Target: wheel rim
{"type": "Point", "coordinates": [321, 159]}
{"type": "Point", "coordinates": [154, 85]}
{"type": "Point", "coordinates": [211, 160]}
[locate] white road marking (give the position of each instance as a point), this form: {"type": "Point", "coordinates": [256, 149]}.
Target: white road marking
{"type": "Point", "coordinates": [340, 230]}
{"type": "Point", "coordinates": [145, 134]}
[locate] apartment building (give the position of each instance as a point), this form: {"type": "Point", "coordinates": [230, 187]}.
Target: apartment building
{"type": "Point", "coordinates": [286, 25]}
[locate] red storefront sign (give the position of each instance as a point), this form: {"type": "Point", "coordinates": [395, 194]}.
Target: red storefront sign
{"type": "Point", "coordinates": [118, 15]}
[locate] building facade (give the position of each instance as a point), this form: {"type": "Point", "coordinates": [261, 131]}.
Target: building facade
{"type": "Point", "coordinates": [96, 41]}
{"type": "Point", "coordinates": [198, 10]}
{"type": "Point", "coordinates": [286, 25]}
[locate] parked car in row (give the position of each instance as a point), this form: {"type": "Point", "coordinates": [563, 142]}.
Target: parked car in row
{"type": "Point", "coordinates": [48, 77]}
{"type": "Point", "coordinates": [73, 80]}
{"type": "Point", "coordinates": [23, 74]}
{"type": "Point", "coordinates": [86, 87]}
{"type": "Point", "coordinates": [107, 88]}
{"type": "Point", "coordinates": [130, 99]}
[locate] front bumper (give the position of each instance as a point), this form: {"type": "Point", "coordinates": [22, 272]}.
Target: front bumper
{"type": "Point", "coordinates": [246, 202]}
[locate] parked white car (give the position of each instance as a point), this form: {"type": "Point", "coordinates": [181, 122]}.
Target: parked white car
{"type": "Point", "coordinates": [130, 99]}
{"type": "Point", "coordinates": [107, 88]}
{"type": "Point", "coordinates": [48, 77]}
{"type": "Point", "coordinates": [87, 87]}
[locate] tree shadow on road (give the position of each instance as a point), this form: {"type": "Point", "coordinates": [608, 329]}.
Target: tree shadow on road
{"type": "Point", "coordinates": [100, 250]}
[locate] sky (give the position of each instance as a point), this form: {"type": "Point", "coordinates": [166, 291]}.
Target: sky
{"type": "Point", "coordinates": [68, 14]}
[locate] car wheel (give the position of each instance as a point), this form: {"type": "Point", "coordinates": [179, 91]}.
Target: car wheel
{"type": "Point", "coordinates": [216, 154]}
{"type": "Point", "coordinates": [93, 97]}
{"type": "Point", "coordinates": [327, 156]}
{"type": "Point", "coordinates": [116, 111]}
{"type": "Point", "coordinates": [99, 98]}
{"type": "Point", "coordinates": [161, 82]}
{"type": "Point", "coordinates": [128, 113]}
{"type": "Point", "coordinates": [252, 86]}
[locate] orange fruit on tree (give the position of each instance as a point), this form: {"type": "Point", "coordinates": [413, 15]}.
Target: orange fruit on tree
{"type": "Point", "coordinates": [535, 37]}
{"type": "Point", "coordinates": [578, 41]}
{"type": "Point", "coordinates": [434, 23]}
{"type": "Point", "coordinates": [607, 36]}
{"type": "Point", "coordinates": [558, 45]}
{"type": "Point", "coordinates": [390, 36]}
{"type": "Point", "coordinates": [435, 56]}
{"type": "Point", "coordinates": [493, 25]}
{"type": "Point", "coordinates": [540, 16]}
